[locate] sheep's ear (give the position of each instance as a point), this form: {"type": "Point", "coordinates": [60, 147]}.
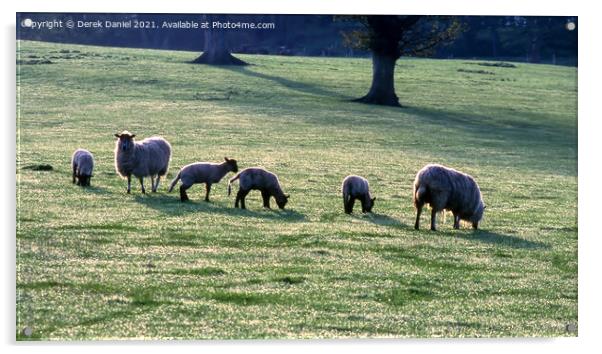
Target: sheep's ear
{"type": "Point", "coordinates": [133, 136]}
{"type": "Point", "coordinates": [226, 159]}
{"type": "Point", "coordinates": [287, 196]}
{"type": "Point", "coordinates": [373, 199]}
{"type": "Point", "coordinates": [117, 135]}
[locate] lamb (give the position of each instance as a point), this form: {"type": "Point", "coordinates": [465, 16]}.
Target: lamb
{"type": "Point", "coordinates": [202, 172]}
{"type": "Point", "coordinates": [82, 163]}
{"type": "Point", "coordinates": [261, 179]}
{"type": "Point", "coordinates": [445, 188]}
{"type": "Point", "coordinates": [357, 187]}
{"type": "Point", "coordinates": [149, 157]}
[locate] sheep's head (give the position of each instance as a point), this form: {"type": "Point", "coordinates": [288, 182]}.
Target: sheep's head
{"type": "Point", "coordinates": [125, 141]}
{"type": "Point", "coordinates": [370, 205]}
{"type": "Point", "coordinates": [282, 200]}
{"type": "Point", "coordinates": [476, 217]}
{"type": "Point", "coordinates": [85, 180]}
{"type": "Point", "coordinates": [232, 164]}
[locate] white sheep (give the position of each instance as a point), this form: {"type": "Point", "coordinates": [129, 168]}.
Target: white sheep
{"type": "Point", "coordinates": [149, 157]}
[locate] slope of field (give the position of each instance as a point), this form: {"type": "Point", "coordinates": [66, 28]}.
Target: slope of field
{"type": "Point", "coordinates": [96, 263]}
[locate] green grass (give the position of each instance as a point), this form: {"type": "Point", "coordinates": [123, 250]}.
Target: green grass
{"type": "Point", "coordinates": [96, 263]}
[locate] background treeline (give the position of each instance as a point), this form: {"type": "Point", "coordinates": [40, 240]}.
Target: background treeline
{"type": "Point", "coordinates": [517, 38]}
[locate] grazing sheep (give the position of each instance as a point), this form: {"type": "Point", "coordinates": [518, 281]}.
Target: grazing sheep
{"type": "Point", "coordinates": [445, 188]}
{"type": "Point", "coordinates": [356, 187]}
{"type": "Point", "coordinates": [261, 179]}
{"type": "Point", "coordinates": [82, 163]}
{"type": "Point", "coordinates": [202, 172]}
{"type": "Point", "coordinates": [149, 157]}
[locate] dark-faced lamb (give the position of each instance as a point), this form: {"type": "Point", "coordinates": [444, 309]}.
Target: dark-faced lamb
{"type": "Point", "coordinates": [260, 179]}
{"type": "Point", "coordinates": [202, 172]}
{"type": "Point", "coordinates": [149, 157]}
{"type": "Point", "coordinates": [447, 189]}
{"type": "Point", "coordinates": [82, 163]}
{"type": "Point", "coordinates": [357, 187]}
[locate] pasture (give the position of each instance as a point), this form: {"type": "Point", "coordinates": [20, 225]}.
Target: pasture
{"type": "Point", "coordinates": [96, 263]}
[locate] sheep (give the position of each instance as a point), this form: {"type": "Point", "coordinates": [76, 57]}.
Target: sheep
{"type": "Point", "coordinates": [82, 163]}
{"type": "Point", "coordinates": [261, 179]}
{"type": "Point", "coordinates": [445, 188]}
{"type": "Point", "coordinates": [149, 157]}
{"type": "Point", "coordinates": [356, 187]}
{"type": "Point", "coordinates": [202, 172]}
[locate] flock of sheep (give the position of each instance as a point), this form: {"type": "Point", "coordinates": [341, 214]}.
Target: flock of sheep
{"type": "Point", "coordinates": [441, 187]}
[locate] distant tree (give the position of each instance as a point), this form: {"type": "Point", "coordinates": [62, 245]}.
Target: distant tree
{"type": "Point", "coordinates": [216, 51]}
{"type": "Point", "coordinates": [546, 35]}
{"type": "Point", "coordinates": [389, 37]}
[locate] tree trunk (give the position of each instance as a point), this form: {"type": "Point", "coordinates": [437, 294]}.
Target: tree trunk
{"type": "Point", "coordinates": [216, 51]}
{"type": "Point", "coordinates": [382, 90]}
{"type": "Point", "coordinates": [535, 50]}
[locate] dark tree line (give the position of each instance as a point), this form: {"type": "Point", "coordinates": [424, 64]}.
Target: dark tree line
{"type": "Point", "coordinates": [534, 39]}
{"type": "Point", "coordinates": [543, 39]}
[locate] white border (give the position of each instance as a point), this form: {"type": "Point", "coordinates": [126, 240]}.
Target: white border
{"type": "Point", "coordinates": [429, 7]}
{"type": "Point", "coordinates": [590, 58]}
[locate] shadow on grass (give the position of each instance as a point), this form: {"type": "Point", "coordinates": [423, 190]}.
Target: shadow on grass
{"type": "Point", "coordinates": [480, 124]}
{"type": "Point", "coordinates": [534, 132]}
{"type": "Point", "coordinates": [538, 124]}
{"type": "Point", "coordinates": [494, 238]}
{"type": "Point", "coordinates": [375, 218]}
{"type": "Point", "coordinates": [95, 189]}
{"type": "Point", "coordinates": [171, 205]}
{"type": "Point", "coordinates": [107, 317]}
{"type": "Point", "coordinates": [385, 220]}
{"type": "Point", "coordinates": [290, 84]}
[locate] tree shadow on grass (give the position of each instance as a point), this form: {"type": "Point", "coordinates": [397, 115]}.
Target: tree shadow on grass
{"type": "Point", "coordinates": [172, 205]}
{"type": "Point", "coordinates": [290, 84]}
{"type": "Point", "coordinates": [506, 125]}
{"type": "Point", "coordinates": [497, 239]}
{"type": "Point", "coordinates": [538, 134]}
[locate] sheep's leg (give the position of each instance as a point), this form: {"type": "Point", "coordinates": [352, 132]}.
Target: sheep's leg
{"type": "Point", "coordinates": [242, 200]}
{"type": "Point", "coordinates": [207, 191]}
{"type": "Point", "coordinates": [418, 212]}
{"type": "Point", "coordinates": [351, 204]}
{"type": "Point", "coordinates": [240, 196]}
{"type": "Point", "coordinates": [456, 221]}
{"type": "Point", "coordinates": [74, 170]}
{"type": "Point", "coordinates": [157, 183]}
{"type": "Point", "coordinates": [265, 195]}
{"type": "Point", "coordinates": [237, 199]}
{"type": "Point", "coordinates": [345, 206]}
{"type": "Point", "coordinates": [129, 183]}
{"type": "Point", "coordinates": [152, 183]}
{"type": "Point", "coordinates": [141, 179]}
{"type": "Point", "coordinates": [433, 219]}
{"type": "Point", "coordinates": [183, 195]}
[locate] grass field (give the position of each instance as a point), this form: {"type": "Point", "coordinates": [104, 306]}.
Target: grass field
{"type": "Point", "coordinates": [96, 263]}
